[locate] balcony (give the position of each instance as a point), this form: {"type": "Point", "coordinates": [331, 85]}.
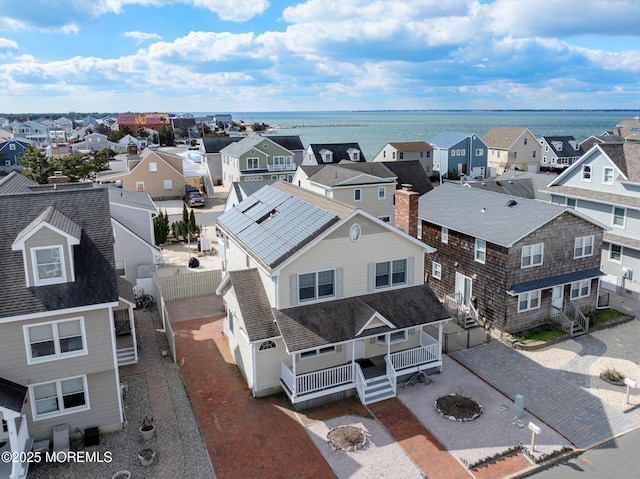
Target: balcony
{"type": "Point", "coordinates": [281, 167]}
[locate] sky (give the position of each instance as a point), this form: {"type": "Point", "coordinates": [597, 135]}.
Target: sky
{"type": "Point", "coordinates": [317, 55]}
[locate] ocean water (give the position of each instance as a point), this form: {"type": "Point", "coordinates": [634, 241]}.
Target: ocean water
{"type": "Point", "coordinates": [373, 129]}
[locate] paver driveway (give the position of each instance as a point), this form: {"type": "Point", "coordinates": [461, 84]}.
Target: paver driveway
{"type": "Point", "coordinates": [569, 409]}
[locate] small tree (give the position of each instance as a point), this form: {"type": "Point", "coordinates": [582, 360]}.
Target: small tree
{"type": "Point", "coordinates": [36, 166]}
{"type": "Point", "coordinates": [161, 227]}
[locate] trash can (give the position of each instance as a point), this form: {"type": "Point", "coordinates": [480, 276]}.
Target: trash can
{"type": "Point", "coordinates": [91, 436]}
{"type": "Point", "coordinates": [193, 262]}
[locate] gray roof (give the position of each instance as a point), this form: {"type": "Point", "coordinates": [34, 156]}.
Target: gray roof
{"type": "Point", "coordinates": [518, 183]}
{"type": "Point", "coordinates": [94, 263]}
{"type": "Point", "coordinates": [214, 145]}
{"type": "Point", "coordinates": [625, 156]}
{"type": "Point", "coordinates": [485, 214]}
{"type": "Point", "coordinates": [599, 196]}
{"type": "Point", "coordinates": [279, 219]}
{"type": "Point", "coordinates": [551, 281]}
{"type": "Point", "coordinates": [334, 174]}
{"type": "Point", "coordinates": [120, 196]}
{"type": "Point", "coordinates": [412, 173]}
{"type": "Point", "coordinates": [567, 150]}
{"type": "Point", "coordinates": [12, 395]}
{"type": "Point", "coordinates": [339, 150]}
{"type": "Point", "coordinates": [447, 139]}
{"type": "Point", "coordinates": [55, 218]}
{"type": "Point", "coordinates": [502, 137]}
{"type": "Point", "coordinates": [244, 189]}
{"type": "Point", "coordinates": [254, 304]}
{"type": "Point", "coordinates": [290, 142]}
{"type": "Point", "coordinates": [15, 183]}
{"type": "Point", "coordinates": [329, 322]}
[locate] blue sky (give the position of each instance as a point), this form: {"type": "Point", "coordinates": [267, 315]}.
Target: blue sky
{"type": "Point", "coordinates": [259, 55]}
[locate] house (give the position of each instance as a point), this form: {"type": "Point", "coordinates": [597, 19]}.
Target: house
{"type": "Point", "coordinates": [256, 158]}
{"type": "Point", "coordinates": [320, 153]}
{"type": "Point", "coordinates": [316, 307]}
{"type": "Point", "coordinates": [628, 129]}
{"type": "Point", "coordinates": [512, 148]}
{"type": "Point", "coordinates": [210, 148]}
{"type": "Point", "coordinates": [604, 184]}
{"type": "Point", "coordinates": [158, 174]}
{"type": "Point", "coordinates": [368, 186]}
{"type": "Point", "coordinates": [408, 150]}
{"type": "Point", "coordinates": [590, 142]}
{"type": "Point", "coordinates": [463, 154]}
{"type": "Point", "coordinates": [10, 153]}
{"type": "Point", "coordinates": [517, 183]}
{"type": "Point", "coordinates": [511, 262]}
{"type": "Point", "coordinates": [241, 190]}
{"type": "Point", "coordinates": [32, 131]}
{"type": "Point", "coordinates": [59, 313]}
{"type": "Point", "coordinates": [130, 144]}
{"type": "Point", "coordinates": [558, 152]}
{"type": "Point", "coordinates": [94, 142]}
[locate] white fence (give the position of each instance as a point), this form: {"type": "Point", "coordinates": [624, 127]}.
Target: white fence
{"type": "Point", "coordinates": [189, 285]}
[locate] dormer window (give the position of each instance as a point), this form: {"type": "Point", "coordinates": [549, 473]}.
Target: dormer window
{"type": "Point", "coordinates": [47, 265]}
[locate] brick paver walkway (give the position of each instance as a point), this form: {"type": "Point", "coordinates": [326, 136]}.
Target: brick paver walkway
{"type": "Point", "coordinates": [581, 417]}
{"type": "Point", "coordinates": [246, 437]}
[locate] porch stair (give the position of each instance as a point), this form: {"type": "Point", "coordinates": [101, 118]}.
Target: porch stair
{"type": "Point", "coordinates": [573, 328]}
{"type": "Point", "coordinates": [469, 322]}
{"type": "Point", "coordinates": [126, 356]}
{"type": "Point", "coordinates": [377, 389]}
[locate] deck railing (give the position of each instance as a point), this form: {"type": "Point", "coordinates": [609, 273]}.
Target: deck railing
{"type": "Point", "coordinates": [391, 374]}
{"type": "Point", "coordinates": [287, 377]}
{"type": "Point", "coordinates": [415, 356]}
{"type": "Point", "coordinates": [316, 380]}
{"type": "Point", "coordinates": [360, 382]}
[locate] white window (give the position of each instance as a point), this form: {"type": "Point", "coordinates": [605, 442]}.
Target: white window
{"type": "Point", "coordinates": [139, 185]}
{"type": "Point", "coordinates": [315, 352]}
{"type": "Point", "coordinates": [445, 235]}
{"type": "Point", "coordinates": [618, 219]}
{"type": "Point", "coordinates": [153, 167]}
{"type": "Point", "coordinates": [479, 152]}
{"type": "Point", "coordinates": [528, 301]}
{"type": "Point", "coordinates": [586, 173]}
{"type": "Point", "coordinates": [480, 251]}
{"type": "Point", "coordinates": [59, 397]}
{"type": "Point", "coordinates": [382, 192]}
{"type": "Point", "coordinates": [395, 337]}
{"type": "Point", "coordinates": [532, 255]}
{"type": "Point", "coordinates": [267, 345]}
{"type": "Point", "coordinates": [55, 340]}
{"type": "Point", "coordinates": [252, 164]}
{"type": "Point", "coordinates": [607, 176]}
{"type": "Point", "coordinates": [168, 184]}
{"type": "Point", "coordinates": [391, 273]}
{"type": "Point", "coordinates": [48, 265]}
{"type": "Point", "coordinates": [12, 147]}
{"type": "Point", "coordinates": [583, 247]}
{"type": "Point", "coordinates": [357, 194]}
{"type": "Point", "coordinates": [463, 152]}
{"type": "Point", "coordinates": [436, 270]}
{"type": "Point", "coordinates": [316, 285]}
{"type": "Point", "coordinates": [120, 268]}
{"type": "Point", "coordinates": [615, 253]}
{"type": "Point", "coordinates": [580, 289]}
{"type": "Point", "coordinates": [355, 156]}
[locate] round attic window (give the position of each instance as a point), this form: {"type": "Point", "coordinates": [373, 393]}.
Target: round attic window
{"type": "Point", "coordinates": [355, 232]}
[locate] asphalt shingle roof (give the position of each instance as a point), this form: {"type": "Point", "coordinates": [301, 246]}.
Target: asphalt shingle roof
{"type": "Point", "coordinates": [320, 324]}
{"type": "Point", "coordinates": [254, 304]}
{"type": "Point", "coordinates": [551, 281]}
{"type": "Point", "coordinates": [502, 137]}
{"type": "Point", "coordinates": [214, 145]}
{"type": "Point", "coordinates": [94, 263]}
{"type": "Point", "coordinates": [410, 172]}
{"type": "Point", "coordinates": [12, 395]}
{"type": "Point", "coordinates": [335, 174]}
{"type": "Point", "coordinates": [339, 150]}
{"type": "Point", "coordinates": [484, 214]}
{"type": "Point", "coordinates": [15, 183]}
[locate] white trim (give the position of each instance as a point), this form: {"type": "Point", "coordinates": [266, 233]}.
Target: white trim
{"type": "Point", "coordinates": [58, 312]}
{"type": "Point", "coordinates": [477, 249]}
{"type": "Point", "coordinates": [617, 261]}
{"type": "Point", "coordinates": [114, 354]}
{"type": "Point", "coordinates": [604, 175]}
{"type": "Point", "coordinates": [57, 355]}
{"type": "Point", "coordinates": [529, 294]}
{"type": "Point", "coordinates": [37, 281]}
{"type": "Point", "coordinates": [436, 272]}
{"type": "Point", "coordinates": [583, 246]}
{"type": "Point", "coordinates": [375, 315]}
{"type": "Point", "coordinates": [579, 289]}
{"type": "Point", "coordinates": [531, 255]}
{"type": "Point", "coordinates": [613, 217]}
{"type": "Point", "coordinates": [58, 383]}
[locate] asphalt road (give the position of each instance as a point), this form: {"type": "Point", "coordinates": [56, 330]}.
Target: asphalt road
{"type": "Point", "coordinates": [613, 459]}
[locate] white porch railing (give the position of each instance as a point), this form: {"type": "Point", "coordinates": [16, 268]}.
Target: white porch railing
{"type": "Point", "coordinates": [360, 382]}
{"type": "Point", "coordinates": [415, 356]}
{"type": "Point", "coordinates": [391, 374]}
{"type": "Point", "coordinates": [20, 468]}
{"type": "Point", "coordinates": [316, 380]}
{"type": "Point", "coordinates": [285, 167]}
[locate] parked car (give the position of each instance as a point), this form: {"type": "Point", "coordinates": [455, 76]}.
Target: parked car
{"type": "Point", "coordinates": [194, 199]}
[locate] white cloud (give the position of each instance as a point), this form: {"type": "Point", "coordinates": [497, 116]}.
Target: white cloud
{"type": "Point", "coordinates": [141, 37]}
{"type": "Point", "coordinates": [6, 44]}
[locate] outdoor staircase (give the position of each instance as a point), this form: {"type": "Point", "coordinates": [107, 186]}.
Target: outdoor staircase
{"type": "Point", "coordinates": [126, 356]}
{"type": "Point", "coordinates": [377, 389]}
{"type": "Point", "coordinates": [469, 322]}
{"type": "Point", "coordinates": [572, 327]}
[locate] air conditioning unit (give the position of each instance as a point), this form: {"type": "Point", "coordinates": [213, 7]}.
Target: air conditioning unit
{"type": "Point", "coordinates": [627, 273]}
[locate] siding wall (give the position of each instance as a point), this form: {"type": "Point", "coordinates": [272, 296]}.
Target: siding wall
{"type": "Point", "coordinates": [137, 220]}
{"type": "Point", "coordinates": [46, 237]}
{"type": "Point", "coordinates": [369, 199]}
{"type": "Point", "coordinates": [133, 251]}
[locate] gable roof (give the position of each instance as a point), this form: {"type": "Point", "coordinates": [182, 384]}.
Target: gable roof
{"type": "Point", "coordinates": [14, 182]}
{"type": "Point", "coordinates": [340, 151]}
{"type": "Point", "coordinates": [94, 263]}
{"type": "Point", "coordinates": [503, 137]}
{"type": "Point", "coordinates": [330, 322]}
{"type": "Point", "coordinates": [411, 145]}
{"type": "Point", "coordinates": [54, 218]}
{"type": "Point", "coordinates": [12, 395]}
{"type": "Point", "coordinates": [332, 175]}
{"type": "Point", "coordinates": [487, 215]}
{"type": "Point", "coordinates": [137, 199]}
{"type": "Point", "coordinates": [566, 150]}
{"type": "Point", "coordinates": [411, 173]}
{"type": "Point", "coordinates": [289, 142]}
{"type": "Point", "coordinates": [447, 139]}
{"type": "Point", "coordinates": [245, 144]}
{"type": "Point", "coordinates": [215, 144]}
{"type": "Point", "coordinates": [279, 219]}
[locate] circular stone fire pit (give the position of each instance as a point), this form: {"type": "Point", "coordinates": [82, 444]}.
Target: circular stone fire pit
{"type": "Point", "coordinates": [456, 407]}
{"type": "Point", "coordinates": [346, 438]}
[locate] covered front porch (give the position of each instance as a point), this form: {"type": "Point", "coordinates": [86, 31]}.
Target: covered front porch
{"type": "Point", "coordinates": [14, 431]}
{"type": "Point", "coordinates": [373, 375]}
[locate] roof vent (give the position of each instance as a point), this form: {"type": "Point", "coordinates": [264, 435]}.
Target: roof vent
{"type": "Point", "coordinates": [511, 203]}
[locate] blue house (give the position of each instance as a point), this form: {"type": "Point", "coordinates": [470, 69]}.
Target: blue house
{"type": "Point", "coordinates": [465, 153]}
{"type": "Point", "coordinates": [10, 152]}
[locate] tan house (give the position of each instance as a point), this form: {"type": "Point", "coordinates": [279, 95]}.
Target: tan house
{"type": "Point", "coordinates": [408, 150]}
{"type": "Point", "coordinates": [324, 300]}
{"type": "Point", "coordinates": [511, 148]}
{"type": "Point", "coordinates": [158, 174]}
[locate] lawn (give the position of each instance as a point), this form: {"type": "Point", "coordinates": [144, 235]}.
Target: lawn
{"type": "Point", "coordinates": [543, 335]}
{"type": "Point", "coordinates": [604, 315]}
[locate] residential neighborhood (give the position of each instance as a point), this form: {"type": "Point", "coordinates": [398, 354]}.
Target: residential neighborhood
{"type": "Point", "coordinates": [317, 287]}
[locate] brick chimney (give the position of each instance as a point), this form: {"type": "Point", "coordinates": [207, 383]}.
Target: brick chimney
{"type": "Point", "coordinates": [57, 178]}
{"type": "Point", "coordinates": [407, 210]}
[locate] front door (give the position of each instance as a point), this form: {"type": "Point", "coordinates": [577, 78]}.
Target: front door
{"type": "Point", "coordinates": [463, 288]}
{"type": "Point", "coordinates": [557, 297]}
{"type": "Point", "coordinates": [359, 349]}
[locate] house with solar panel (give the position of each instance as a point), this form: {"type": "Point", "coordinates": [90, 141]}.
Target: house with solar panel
{"type": "Point", "coordinates": [508, 262]}
{"type": "Point", "coordinates": [604, 184]}
{"type": "Point", "coordinates": [323, 299]}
